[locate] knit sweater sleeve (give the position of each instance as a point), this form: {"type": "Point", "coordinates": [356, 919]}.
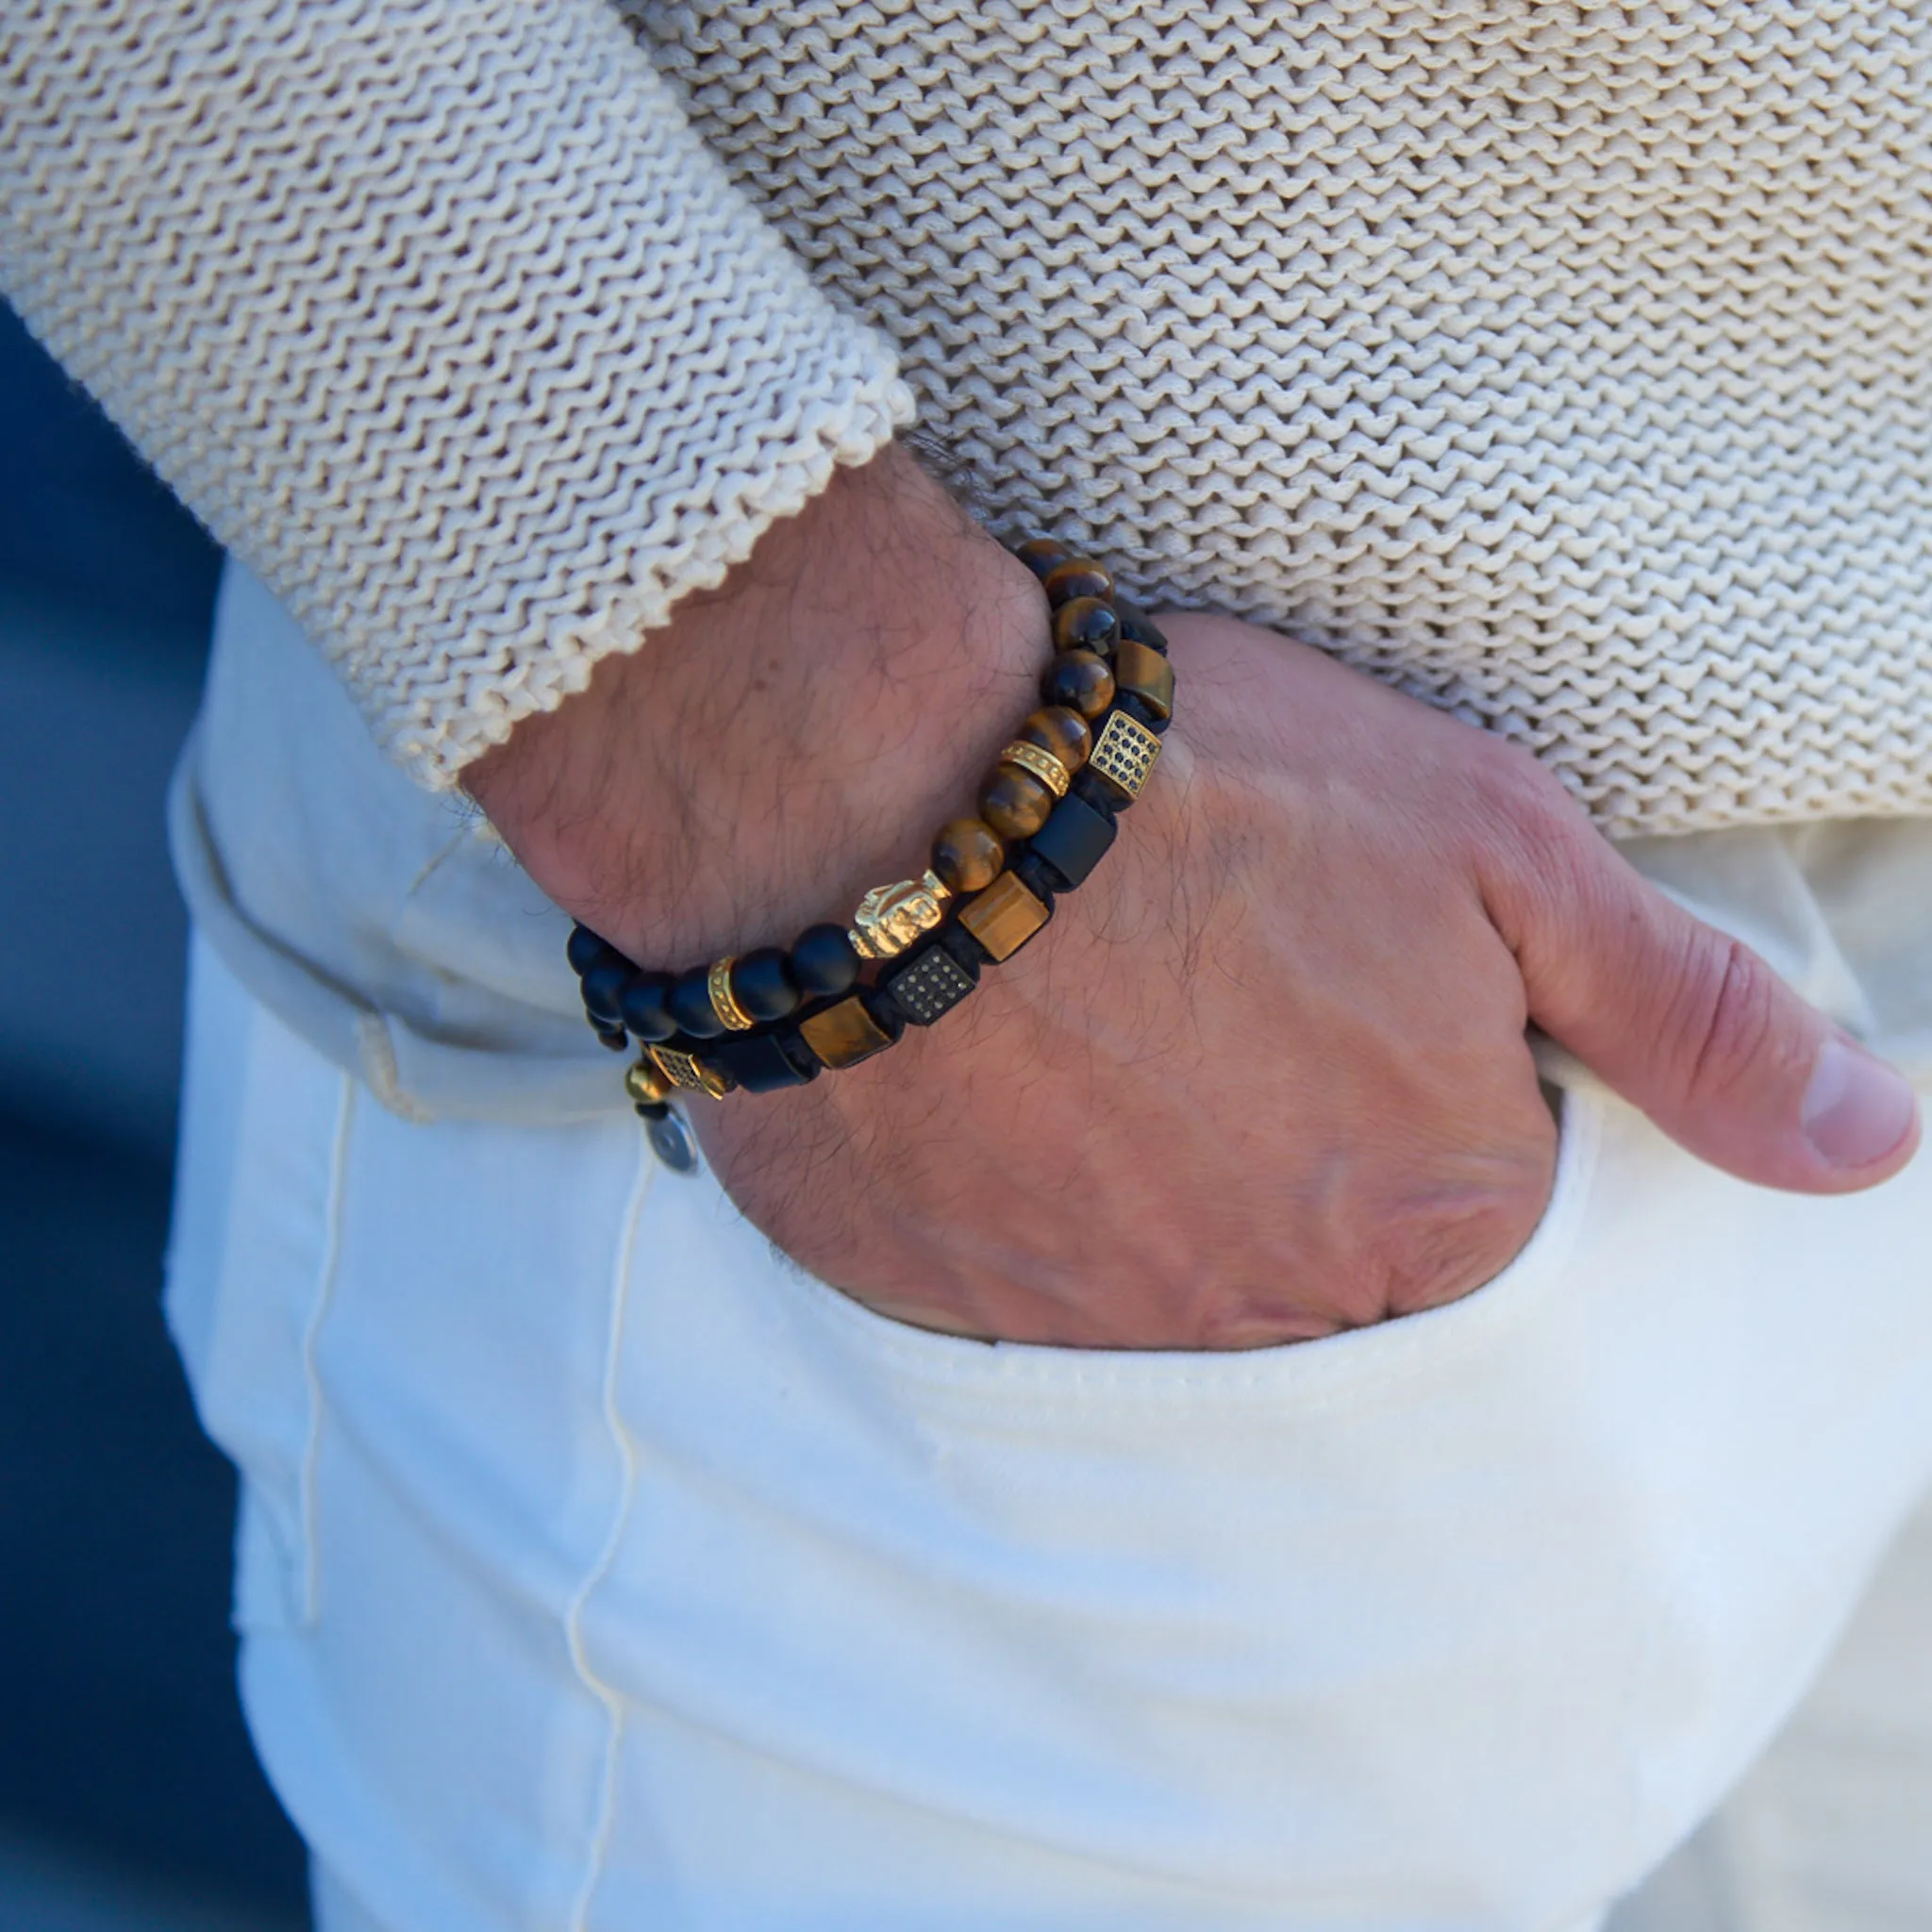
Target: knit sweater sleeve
{"type": "Point", "coordinates": [439, 316]}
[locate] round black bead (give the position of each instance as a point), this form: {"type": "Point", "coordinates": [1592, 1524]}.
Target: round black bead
{"type": "Point", "coordinates": [822, 962]}
{"type": "Point", "coordinates": [761, 983]}
{"type": "Point", "coordinates": [603, 987]}
{"type": "Point", "coordinates": [584, 950]}
{"type": "Point", "coordinates": [690, 1005]}
{"type": "Point", "coordinates": [645, 1005]}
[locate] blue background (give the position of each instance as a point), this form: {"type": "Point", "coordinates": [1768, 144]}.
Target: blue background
{"type": "Point", "coordinates": [129, 1797]}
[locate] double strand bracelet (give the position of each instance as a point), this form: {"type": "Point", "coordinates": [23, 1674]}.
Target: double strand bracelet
{"type": "Point", "coordinates": [778, 1017]}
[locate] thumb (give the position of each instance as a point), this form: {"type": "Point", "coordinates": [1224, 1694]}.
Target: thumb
{"type": "Point", "coordinates": [1691, 1026]}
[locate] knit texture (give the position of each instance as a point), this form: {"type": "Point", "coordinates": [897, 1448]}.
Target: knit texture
{"type": "Point", "coordinates": [435, 313]}
{"type": "Point", "coordinates": [1567, 364]}
{"type": "Point", "coordinates": [1563, 362]}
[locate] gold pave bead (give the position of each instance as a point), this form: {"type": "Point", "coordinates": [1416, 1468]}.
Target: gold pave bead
{"type": "Point", "coordinates": [647, 1083]}
{"type": "Point", "coordinates": [687, 1071]}
{"type": "Point", "coordinates": [724, 1002]}
{"type": "Point", "coordinates": [1042, 764]}
{"type": "Point", "coordinates": [889, 918]}
{"type": "Point", "coordinates": [843, 1035]}
{"type": "Point", "coordinates": [1125, 755]}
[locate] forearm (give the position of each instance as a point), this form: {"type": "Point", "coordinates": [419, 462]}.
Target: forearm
{"type": "Point", "coordinates": [787, 739]}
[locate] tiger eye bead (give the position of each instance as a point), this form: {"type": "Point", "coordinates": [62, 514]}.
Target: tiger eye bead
{"type": "Point", "coordinates": [1060, 730]}
{"type": "Point", "coordinates": [1080, 682]}
{"type": "Point", "coordinates": [1014, 803]}
{"type": "Point", "coordinates": [1043, 554]}
{"type": "Point", "coordinates": [967, 853]}
{"type": "Point", "coordinates": [1080, 577]}
{"type": "Point", "coordinates": [1085, 623]}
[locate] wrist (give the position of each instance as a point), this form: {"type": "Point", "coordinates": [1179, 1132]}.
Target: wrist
{"type": "Point", "coordinates": [790, 739]}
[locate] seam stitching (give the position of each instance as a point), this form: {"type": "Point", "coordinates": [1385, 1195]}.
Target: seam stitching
{"type": "Point", "coordinates": [312, 1334]}
{"type": "Point", "coordinates": [604, 1813]}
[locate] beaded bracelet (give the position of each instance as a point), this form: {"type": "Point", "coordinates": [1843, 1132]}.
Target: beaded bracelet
{"type": "Point", "coordinates": [777, 1018]}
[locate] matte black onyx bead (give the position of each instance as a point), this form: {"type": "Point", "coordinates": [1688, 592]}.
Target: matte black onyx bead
{"type": "Point", "coordinates": [615, 1037]}
{"type": "Point", "coordinates": [1074, 841]}
{"type": "Point", "coordinates": [645, 1003]}
{"type": "Point", "coordinates": [822, 962]}
{"type": "Point", "coordinates": [603, 988]}
{"type": "Point", "coordinates": [690, 1005]}
{"type": "Point", "coordinates": [762, 985]}
{"type": "Point", "coordinates": [758, 1062]}
{"type": "Point", "coordinates": [584, 949]}
{"type": "Point", "coordinates": [1138, 627]}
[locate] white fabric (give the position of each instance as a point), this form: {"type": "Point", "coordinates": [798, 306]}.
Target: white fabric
{"type": "Point", "coordinates": [1566, 364]}
{"type": "Point", "coordinates": [437, 314]}
{"type": "Point", "coordinates": [598, 1570]}
{"type": "Point", "coordinates": [390, 929]}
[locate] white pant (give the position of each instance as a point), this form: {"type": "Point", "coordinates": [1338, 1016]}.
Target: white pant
{"type": "Point", "coordinates": [599, 1570]}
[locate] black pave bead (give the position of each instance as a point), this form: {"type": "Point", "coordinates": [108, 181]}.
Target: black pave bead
{"type": "Point", "coordinates": [928, 983]}
{"type": "Point", "coordinates": [822, 962]}
{"type": "Point", "coordinates": [584, 949]}
{"type": "Point", "coordinates": [1074, 841]}
{"type": "Point", "coordinates": [603, 988]}
{"type": "Point", "coordinates": [647, 1007]}
{"type": "Point", "coordinates": [690, 1005]}
{"type": "Point", "coordinates": [758, 1062]}
{"type": "Point", "coordinates": [762, 984]}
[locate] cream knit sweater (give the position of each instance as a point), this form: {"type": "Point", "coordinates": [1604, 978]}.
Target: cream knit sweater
{"type": "Point", "coordinates": [1568, 362]}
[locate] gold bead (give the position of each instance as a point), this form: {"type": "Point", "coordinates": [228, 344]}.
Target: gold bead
{"type": "Point", "coordinates": [1125, 755]}
{"type": "Point", "coordinates": [889, 918]}
{"type": "Point", "coordinates": [647, 1083]}
{"type": "Point", "coordinates": [724, 1002]}
{"type": "Point", "coordinates": [1042, 764]}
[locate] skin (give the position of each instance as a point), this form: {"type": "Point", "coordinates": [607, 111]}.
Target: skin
{"type": "Point", "coordinates": [1265, 1076]}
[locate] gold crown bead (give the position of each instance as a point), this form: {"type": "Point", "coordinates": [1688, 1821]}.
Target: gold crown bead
{"type": "Point", "coordinates": [1042, 764]}
{"type": "Point", "coordinates": [724, 1002]}
{"type": "Point", "coordinates": [889, 918]}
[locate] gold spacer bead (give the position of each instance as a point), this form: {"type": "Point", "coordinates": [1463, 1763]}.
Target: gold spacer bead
{"type": "Point", "coordinates": [1042, 764]}
{"type": "Point", "coordinates": [724, 1002]}
{"type": "Point", "coordinates": [647, 1083]}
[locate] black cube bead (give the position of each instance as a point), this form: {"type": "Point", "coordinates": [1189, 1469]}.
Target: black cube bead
{"type": "Point", "coordinates": [758, 1062]}
{"type": "Point", "coordinates": [929, 984]}
{"type": "Point", "coordinates": [1074, 841]}
{"type": "Point", "coordinates": [645, 1003]}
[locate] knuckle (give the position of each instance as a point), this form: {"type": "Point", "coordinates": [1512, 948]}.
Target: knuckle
{"type": "Point", "coordinates": [1729, 1020]}
{"type": "Point", "coordinates": [1440, 1247]}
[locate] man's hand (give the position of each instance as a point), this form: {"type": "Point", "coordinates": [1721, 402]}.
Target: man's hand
{"type": "Point", "coordinates": [1266, 1075]}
